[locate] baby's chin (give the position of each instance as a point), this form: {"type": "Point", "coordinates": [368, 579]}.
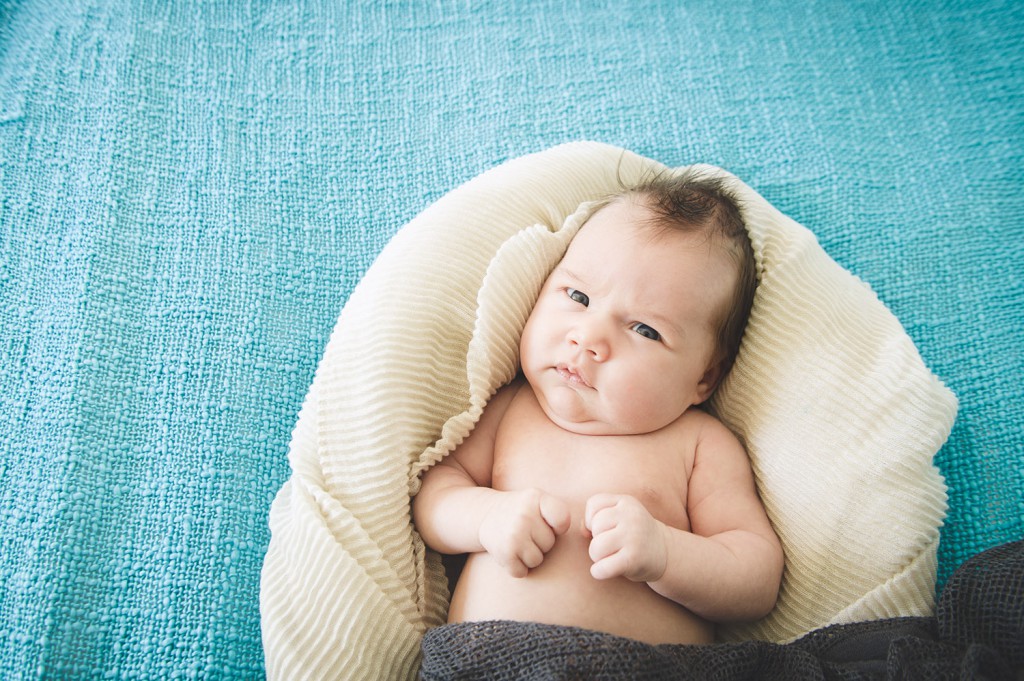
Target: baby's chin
{"type": "Point", "coordinates": [565, 409]}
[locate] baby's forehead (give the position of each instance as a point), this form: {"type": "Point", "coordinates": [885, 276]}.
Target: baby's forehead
{"type": "Point", "coordinates": [638, 227]}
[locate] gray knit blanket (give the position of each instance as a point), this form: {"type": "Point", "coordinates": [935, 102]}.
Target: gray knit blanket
{"type": "Point", "coordinates": [976, 633]}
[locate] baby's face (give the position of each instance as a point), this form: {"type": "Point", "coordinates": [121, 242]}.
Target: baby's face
{"type": "Point", "coordinates": [622, 339]}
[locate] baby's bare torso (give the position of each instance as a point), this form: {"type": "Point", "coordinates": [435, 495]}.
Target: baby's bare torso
{"type": "Point", "coordinates": [532, 452]}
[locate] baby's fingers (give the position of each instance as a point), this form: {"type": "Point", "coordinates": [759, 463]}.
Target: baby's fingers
{"type": "Point", "coordinates": [614, 556]}
{"type": "Point", "coordinates": [595, 505]}
{"type": "Point", "coordinates": [609, 567]}
{"type": "Point", "coordinates": [555, 519]}
{"type": "Point", "coordinates": [529, 554]}
{"type": "Point", "coordinates": [531, 557]}
{"type": "Point", "coordinates": [515, 568]}
{"type": "Point", "coordinates": [604, 545]}
{"type": "Point", "coordinates": [556, 514]}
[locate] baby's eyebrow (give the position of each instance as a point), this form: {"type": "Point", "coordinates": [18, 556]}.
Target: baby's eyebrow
{"type": "Point", "coordinates": [662, 323]}
{"type": "Point", "coordinates": [565, 271]}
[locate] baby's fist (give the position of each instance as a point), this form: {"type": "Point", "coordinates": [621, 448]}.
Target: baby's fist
{"type": "Point", "coordinates": [627, 540]}
{"type": "Point", "coordinates": [521, 526]}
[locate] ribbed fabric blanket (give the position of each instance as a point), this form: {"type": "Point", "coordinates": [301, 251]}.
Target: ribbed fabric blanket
{"type": "Point", "coordinates": [190, 191]}
{"type": "Point", "coordinates": [840, 418]}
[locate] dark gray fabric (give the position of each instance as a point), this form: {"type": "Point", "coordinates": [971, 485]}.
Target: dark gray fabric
{"type": "Point", "coordinates": [977, 633]}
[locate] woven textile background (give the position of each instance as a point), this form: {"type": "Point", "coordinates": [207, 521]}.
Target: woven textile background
{"type": "Point", "coordinates": [190, 190]}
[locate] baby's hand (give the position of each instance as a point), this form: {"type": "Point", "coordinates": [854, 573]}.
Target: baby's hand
{"type": "Point", "coordinates": [627, 540]}
{"type": "Point", "coordinates": [521, 526]}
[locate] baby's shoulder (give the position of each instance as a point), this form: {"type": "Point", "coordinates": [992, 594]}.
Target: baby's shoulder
{"type": "Point", "coordinates": [697, 420]}
{"type": "Point", "coordinates": [707, 432]}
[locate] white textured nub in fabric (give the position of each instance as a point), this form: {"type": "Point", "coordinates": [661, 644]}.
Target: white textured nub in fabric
{"type": "Point", "coordinates": [839, 414]}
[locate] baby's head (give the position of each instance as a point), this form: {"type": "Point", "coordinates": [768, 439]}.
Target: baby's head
{"type": "Point", "coordinates": [696, 203]}
{"type": "Point", "coordinates": [643, 316]}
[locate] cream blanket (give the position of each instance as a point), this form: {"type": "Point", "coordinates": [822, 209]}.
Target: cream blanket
{"type": "Point", "coordinates": [839, 414]}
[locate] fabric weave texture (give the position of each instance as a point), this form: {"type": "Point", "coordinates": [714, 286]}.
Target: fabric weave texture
{"type": "Point", "coordinates": [189, 192]}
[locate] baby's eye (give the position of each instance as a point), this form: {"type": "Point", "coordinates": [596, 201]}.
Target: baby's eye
{"type": "Point", "coordinates": [646, 331]}
{"type": "Point", "coordinates": [578, 296]}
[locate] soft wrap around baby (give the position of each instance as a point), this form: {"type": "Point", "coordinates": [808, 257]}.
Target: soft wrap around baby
{"type": "Point", "coordinates": [838, 412]}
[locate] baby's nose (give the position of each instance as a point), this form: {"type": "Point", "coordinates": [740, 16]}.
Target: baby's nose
{"type": "Point", "coordinates": [591, 340]}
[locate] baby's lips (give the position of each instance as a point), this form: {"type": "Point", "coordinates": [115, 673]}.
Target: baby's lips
{"type": "Point", "coordinates": [573, 375]}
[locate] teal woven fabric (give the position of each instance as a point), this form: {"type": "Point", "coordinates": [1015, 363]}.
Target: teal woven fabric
{"type": "Point", "coordinates": [189, 192]}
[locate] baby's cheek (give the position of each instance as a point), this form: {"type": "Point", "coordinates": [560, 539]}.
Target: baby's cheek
{"type": "Point", "coordinates": [566, 405]}
{"type": "Point", "coordinates": [645, 407]}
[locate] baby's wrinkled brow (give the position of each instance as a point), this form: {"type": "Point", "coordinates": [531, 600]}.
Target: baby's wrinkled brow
{"type": "Point", "coordinates": [566, 272]}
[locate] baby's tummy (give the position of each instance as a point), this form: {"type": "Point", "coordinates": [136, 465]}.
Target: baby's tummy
{"type": "Point", "coordinates": [561, 591]}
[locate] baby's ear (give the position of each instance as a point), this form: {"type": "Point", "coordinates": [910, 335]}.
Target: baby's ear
{"type": "Point", "coordinates": [709, 381]}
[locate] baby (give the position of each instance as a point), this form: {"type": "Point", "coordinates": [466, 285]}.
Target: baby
{"type": "Point", "coordinates": [593, 492]}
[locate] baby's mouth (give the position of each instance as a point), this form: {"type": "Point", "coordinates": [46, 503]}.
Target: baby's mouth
{"type": "Point", "coordinates": [572, 376]}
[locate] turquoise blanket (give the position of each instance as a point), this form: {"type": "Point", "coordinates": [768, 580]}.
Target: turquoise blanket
{"type": "Point", "coordinates": [190, 191]}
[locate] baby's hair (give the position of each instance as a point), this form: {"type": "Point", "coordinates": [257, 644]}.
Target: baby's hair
{"type": "Point", "coordinates": [694, 201]}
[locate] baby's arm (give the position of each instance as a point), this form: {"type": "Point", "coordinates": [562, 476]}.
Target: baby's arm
{"type": "Point", "coordinates": [457, 511]}
{"type": "Point", "coordinates": [727, 568]}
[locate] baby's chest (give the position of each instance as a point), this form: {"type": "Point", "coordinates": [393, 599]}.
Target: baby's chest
{"type": "Point", "coordinates": [576, 467]}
